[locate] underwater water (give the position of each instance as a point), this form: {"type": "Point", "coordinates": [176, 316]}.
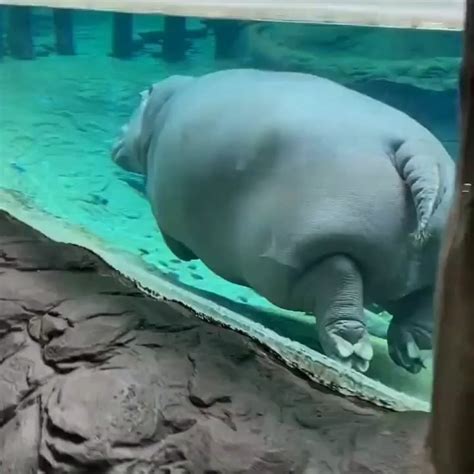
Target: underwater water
{"type": "Point", "coordinates": [60, 115]}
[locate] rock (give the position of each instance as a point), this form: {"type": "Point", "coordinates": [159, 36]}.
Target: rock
{"type": "Point", "coordinates": [19, 442]}
{"type": "Point", "coordinates": [11, 344]}
{"type": "Point", "coordinates": [90, 340]}
{"type": "Point", "coordinates": [52, 327]}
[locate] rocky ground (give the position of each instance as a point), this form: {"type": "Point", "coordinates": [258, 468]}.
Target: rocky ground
{"type": "Point", "coordinates": [97, 378]}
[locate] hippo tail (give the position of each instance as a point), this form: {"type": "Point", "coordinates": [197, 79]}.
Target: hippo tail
{"type": "Point", "coordinates": [425, 173]}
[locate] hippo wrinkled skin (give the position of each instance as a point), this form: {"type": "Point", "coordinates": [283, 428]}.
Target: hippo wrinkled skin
{"type": "Point", "coordinates": [319, 198]}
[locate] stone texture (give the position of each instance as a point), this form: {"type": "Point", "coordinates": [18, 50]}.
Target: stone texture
{"type": "Point", "coordinates": [97, 378]}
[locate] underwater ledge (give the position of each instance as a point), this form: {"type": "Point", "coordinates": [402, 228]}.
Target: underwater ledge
{"type": "Point", "coordinates": [316, 366]}
{"type": "Point", "coordinates": [428, 14]}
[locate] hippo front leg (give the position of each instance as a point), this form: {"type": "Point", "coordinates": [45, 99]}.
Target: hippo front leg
{"type": "Point", "coordinates": [411, 329]}
{"type": "Point", "coordinates": [333, 290]}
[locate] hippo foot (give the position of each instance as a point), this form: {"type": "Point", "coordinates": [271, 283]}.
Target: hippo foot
{"type": "Point", "coordinates": [405, 341]}
{"type": "Point", "coordinates": [347, 341]}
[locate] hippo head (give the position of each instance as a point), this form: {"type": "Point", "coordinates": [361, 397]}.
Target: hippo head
{"type": "Point", "coordinates": [131, 149]}
{"type": "Point", "coordinates": [128, 151]}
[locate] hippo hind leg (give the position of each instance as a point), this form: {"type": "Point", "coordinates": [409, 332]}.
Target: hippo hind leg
{"type": "Point", "coordinates": [178, 249]}
{"type": "Point", "coordinates": [411, 329]}
{"type": "Point", "coordinates": [333, 290]}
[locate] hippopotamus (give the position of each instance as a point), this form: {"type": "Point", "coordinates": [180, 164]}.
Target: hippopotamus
{"type": "Point", "coordinates": [319, 198]}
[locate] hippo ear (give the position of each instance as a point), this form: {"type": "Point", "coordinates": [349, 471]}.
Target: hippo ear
{"type": "Point", "coordinates": [145, 94]}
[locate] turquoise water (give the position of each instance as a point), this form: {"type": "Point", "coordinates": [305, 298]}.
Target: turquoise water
{"type": "Point", "coordinates": [60, 115]}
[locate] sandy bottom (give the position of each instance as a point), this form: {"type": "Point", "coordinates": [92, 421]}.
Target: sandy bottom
{"type": "Point", "coordinates": [58, 119]}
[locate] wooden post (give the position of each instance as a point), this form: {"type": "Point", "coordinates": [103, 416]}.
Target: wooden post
{"type": "Point", "coordinates": [122, 36]}
{"type": "Point", "coordinates": [19, 35]}
{"type": "Point", "coordinates": [451, 435]}
{"type": "Point", "coordinates": [64, 31]}
{"type": "Point", "coordinates": [226, 33]}
{"type": "Point", "coordinates": [174, 39]}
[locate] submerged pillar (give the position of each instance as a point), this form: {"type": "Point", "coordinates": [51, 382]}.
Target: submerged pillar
{"type": "Point", "coordinates": [174, 39]}
{"type": "Point", "coordinates": [122, 35]}
{"type": "Point", "coordinates": [64, 31]}
{"type": "Point", "coordinates": [19, 34]}
{"type": "Point", "coordinates": [226, 33]}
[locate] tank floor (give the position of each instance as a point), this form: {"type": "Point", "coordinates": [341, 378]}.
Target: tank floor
{"type": "Point", "coordinates": [95, 377]}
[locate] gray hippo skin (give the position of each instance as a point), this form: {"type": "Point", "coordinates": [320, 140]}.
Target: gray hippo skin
{"type": "Point", "coordinates": [319, 198]}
